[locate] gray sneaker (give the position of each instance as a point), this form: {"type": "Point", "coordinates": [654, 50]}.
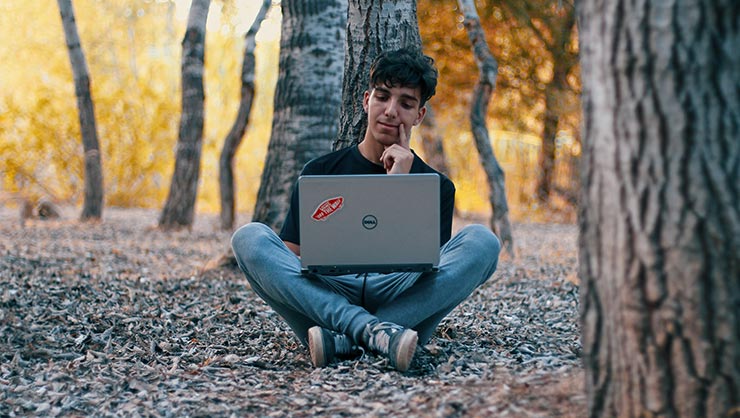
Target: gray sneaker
{"type": "Point", "coordinates": [325, 346]}
{"type": "Point", "coordinates": [393, 341]}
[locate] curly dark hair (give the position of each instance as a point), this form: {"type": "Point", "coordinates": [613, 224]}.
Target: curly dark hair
{"type": "Point", "coordinates": [405, 67]}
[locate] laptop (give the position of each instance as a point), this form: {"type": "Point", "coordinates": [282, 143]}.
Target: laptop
{"type": "Point", "coordinates": [369, 223]}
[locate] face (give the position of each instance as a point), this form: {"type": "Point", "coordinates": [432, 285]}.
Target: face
{"type": "Point", "coordinates": [389, 107]}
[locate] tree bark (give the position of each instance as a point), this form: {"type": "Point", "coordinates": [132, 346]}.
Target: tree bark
{"type": "Point", "coordinates": [179, 210]}
{"type": "Point", "coordinates": [234, 137]}
{"type": "Point", "coordinates": [307, 99]}
{"type": "Point", "coordinates": [92, 208]}
{"type": "Point", "coordinates": [373, 26]}
{"type": "Point", "coordinates": [660, 221]}
{"type": "Point", "coordinates": [488, 69]}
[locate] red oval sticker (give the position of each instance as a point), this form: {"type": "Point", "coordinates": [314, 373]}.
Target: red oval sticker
{"type": "Point", "coordinates": [328, 207]}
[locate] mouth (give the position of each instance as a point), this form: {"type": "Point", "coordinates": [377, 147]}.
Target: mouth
{"type": "Point", "coordinates": [388, 126]}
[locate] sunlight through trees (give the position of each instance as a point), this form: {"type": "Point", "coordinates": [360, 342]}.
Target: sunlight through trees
{"type": "Point", "coordinates": [133, 52]}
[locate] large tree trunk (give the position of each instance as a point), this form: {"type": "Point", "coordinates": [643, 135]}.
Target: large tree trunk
{"type": "Point", "coordinates": [92, 208]}
{"type": "Point", "coordinates": [235, 135]}
{"type": "Point", "coordinates": [373, 26]}
{"type": "Point", "coordinates": [307, 99]}
{"type": "Point", "coordinates": [660, 221]}
{"type": "Point", "coordinates": [488, 69]}
{"type": "Point", "coordinates": [179, 210]}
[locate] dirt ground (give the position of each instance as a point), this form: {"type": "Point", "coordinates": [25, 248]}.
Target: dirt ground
{"type": "Point", "coordinates": [118, 318]}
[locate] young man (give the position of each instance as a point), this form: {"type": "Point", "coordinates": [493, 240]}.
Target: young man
{"type": "Point", "coordinates": [388, 314]}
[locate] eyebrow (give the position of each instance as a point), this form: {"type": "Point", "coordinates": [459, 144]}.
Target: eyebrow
{"type": "Point", "coordinates": [403, 96]}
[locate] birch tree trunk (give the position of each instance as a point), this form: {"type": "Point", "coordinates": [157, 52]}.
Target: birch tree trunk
{"type": "Point", "coordinates": [660, 221]}
{"type": "Point", "coordinates": [373, 26]}
{"type": "Point", "coordinates": [235, 135]}
{"type": "Point", "coordinates": [179, 210]}
{"type": "Point", "coordinates": [92, 208]}
{"type": "Point", "coordinates": [488, 69]}
{"type": "Point", "coordinates": [307, 99]}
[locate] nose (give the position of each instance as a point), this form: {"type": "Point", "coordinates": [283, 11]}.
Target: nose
{"type": "Point", "coordinates": [391, 110]}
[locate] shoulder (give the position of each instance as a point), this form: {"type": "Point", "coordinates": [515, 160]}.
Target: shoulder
{"type": "Point", "coordinates": [345, 161]}
{"type": "Point", "coordinates": [326, 163]}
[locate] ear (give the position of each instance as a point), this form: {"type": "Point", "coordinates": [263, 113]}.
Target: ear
{"type": "Point", "coordinates": [365, 100]}
{"type": "Point", "coordinates": [420, 116]}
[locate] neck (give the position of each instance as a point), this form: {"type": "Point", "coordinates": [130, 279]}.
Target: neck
{"type": "Point", "coordinates": [370, 152]}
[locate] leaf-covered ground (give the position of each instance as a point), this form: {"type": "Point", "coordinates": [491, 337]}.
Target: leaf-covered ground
{"type": "Point", "coordinates": [118, 319]}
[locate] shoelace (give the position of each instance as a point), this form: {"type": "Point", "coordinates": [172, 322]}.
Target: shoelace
{"type": "Point", "coordinates": [342, 344]}
{"type": "Point", "coordinates": [380, 336]}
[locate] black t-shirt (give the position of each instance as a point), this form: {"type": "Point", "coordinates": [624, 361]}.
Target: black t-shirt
{"type": "Point", "coordinates": [350, 161]}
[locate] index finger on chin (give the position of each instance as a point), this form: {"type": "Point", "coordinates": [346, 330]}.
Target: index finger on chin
{"type": "Point", "coordinates": [404, 139]}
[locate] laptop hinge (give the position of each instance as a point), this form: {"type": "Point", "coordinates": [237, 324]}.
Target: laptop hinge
{"type": "Point", "coordinates": [335, 270]}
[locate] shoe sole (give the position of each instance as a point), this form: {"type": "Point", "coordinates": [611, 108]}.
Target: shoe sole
{"type": "Point", "coordinates": [406, 350]}
{"type": "Point", "coordinates": [316, 346]}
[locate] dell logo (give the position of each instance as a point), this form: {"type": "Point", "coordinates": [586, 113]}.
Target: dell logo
{"type": "Point", "coordinates": [369, 222]}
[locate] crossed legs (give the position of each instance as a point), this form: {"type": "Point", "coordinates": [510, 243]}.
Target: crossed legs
{"type": "Point", "coordinates": [414, 300]}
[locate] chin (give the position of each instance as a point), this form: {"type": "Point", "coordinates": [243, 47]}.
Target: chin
{"type": "Point", "coordinates": [386, 140]}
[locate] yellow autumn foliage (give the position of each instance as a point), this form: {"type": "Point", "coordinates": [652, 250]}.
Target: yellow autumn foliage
{"type": "Point", "coordinates": [132, 48]}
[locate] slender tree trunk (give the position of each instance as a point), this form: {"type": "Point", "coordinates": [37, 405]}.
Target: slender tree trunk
{"type": "Point", "coordinates": [235, 135]}
{"type": "Point", "coordinates": [488, 69]}
{"type": "Point", "coordinates": [179, 210]}
{"type": "Point", "coordinates": [92, 208]}
{"type": "Point", "coordinates": [562, 64]}
{"type": "Point", "coordinates": [373, 26]}
{"type": "Point", "coordinates": [660, 221]}
{"type": "Point", "coordinates": [307, 99]}
{"type": "Point", "coordinates": [431, 140]}
{"type": "Point", "coordinates": [547, 151]}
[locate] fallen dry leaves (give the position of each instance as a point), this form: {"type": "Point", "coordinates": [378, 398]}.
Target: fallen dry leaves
{"type": "Point", "coordinates": [118, 319]}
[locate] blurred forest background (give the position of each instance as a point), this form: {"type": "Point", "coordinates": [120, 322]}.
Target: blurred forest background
{"type": "Point", "coordinates": [133, 50]}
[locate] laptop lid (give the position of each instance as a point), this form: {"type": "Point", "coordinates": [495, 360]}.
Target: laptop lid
{"type": "Point", "coordinates": [369, 223]}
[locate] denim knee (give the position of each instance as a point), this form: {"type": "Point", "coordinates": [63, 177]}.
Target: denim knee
{"type": "Point", "coordinates": [481, 238]}
{"type": "Point", "coordinates": [249, 240]}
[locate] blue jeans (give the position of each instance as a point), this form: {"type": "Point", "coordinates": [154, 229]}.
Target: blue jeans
{"type": "Point", "coordinates": [346, 304]}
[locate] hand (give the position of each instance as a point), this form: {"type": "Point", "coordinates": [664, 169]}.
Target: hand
{"type": "Point", "coordinates": [397, 158]}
